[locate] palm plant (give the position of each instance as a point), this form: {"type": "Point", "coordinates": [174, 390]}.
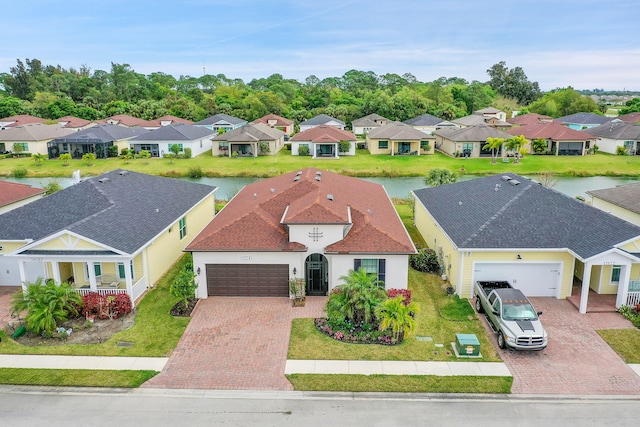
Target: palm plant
{"type": "Point", "coordinates": [397, 317]}
{"type": "Point", "coordinates": [38, 158]}
{"type": "Point", "coordinates": [47, 305]}
{"type": "Point", "coordinates": [494, 145]}
{"type": "Point", "coordinates": [514, 144]}
{"type": "Point", "coordinates": [363, 295]}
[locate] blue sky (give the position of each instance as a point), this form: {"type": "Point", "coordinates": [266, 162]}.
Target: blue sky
{"type": "Point", "coordinates": [585, 44]}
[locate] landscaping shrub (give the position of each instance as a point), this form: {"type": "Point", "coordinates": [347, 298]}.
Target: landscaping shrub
{"type": "Point", "coordinates": [426, 261]}
{"type": "Point", "coordinates": [631, 314]}
{"type": "Point", "coordinates": [112, 151]}
{"type": "Point", "coordinates": [184, 286]}
{"type": "Point", "coordinates": [108, 306]}
{"type": "Point", "coordinates": [406, 295]}
{"type": "Point", "coordinates": [19, 173]}
{"type": "Point", "coordinates": [187, 153]}
{"type": "Point", "coordinates": [195, 172]}
{"type": "Point", "coordinates": [303, 150]}
{"type": "Point", "coordinates": [362, 333]}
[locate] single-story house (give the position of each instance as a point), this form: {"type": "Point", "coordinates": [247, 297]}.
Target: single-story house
{"type": "Point", "coordinates": [622, 201]}
{"type": "Point", "coordinates": [97, 139]}
{"type": "Point", "coordinates": [487, 116]}
{"type": "Point", "coordinates": [507, 227]}
{"type": "Point", "coordinates": [397, 138]}
{"type": "Point", "coordinates": [529, 119]}
{"type": "Point", "coordinates": [616, 133]}
{"type": "Point", "coordinates": [311, 224]}
{"type": "Point", "coordinates": [159, 141]}
{"type": "Point", "coordinates": [19, 120]}
{"type": "Point", "coordinates": [32, 138]}
{"type": "Point", "coordinates": [468, 141]}
{"type": "Point", "coordinates": [323, 142]}
{"type": "Point", "coordinates": [118, 232]}
{"type": "Point", "coordinates": [170, 120]}
{"type": "Point", "coordinates": [275, 121]}
{"type": "Point", "coordinates": [364, 124]}
{"type": "Point", "coordinates": [75, 123]}
{"type": "Point", "coordinates": [579, 121]}
{"type": "Point", "coordinates": [630, 118]}
{"type": "Point", "coordinates": [561, 140]}
{"type": "Point", "coordinates": [429, 124]}
{"type": "Point", "coordinates": [321, 119]}
{"type": "Point", "coordinates": [221, 123]}
{"type": "Point", "coordinates": [250, 140]}
{"type": "Point", "coordinates": [14, 194]}
{"type": "Point", "coordinates": [128, 121]}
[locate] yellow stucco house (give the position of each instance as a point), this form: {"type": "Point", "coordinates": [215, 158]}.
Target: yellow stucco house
{"type": "Point", "coordinates": [397, 139]}
{"type": "Point", "coordinates": [115, 233]}
{"type": "Point", "coordinates": [507, 227]}
{"type": "Point", "coordinates": [622, 201]}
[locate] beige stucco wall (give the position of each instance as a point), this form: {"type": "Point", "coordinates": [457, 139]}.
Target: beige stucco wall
{"type": "Point", "coordinates": [372, 145]}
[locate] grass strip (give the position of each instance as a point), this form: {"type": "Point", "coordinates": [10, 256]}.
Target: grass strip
{"type": "Point", "coordinates": [74, 377]}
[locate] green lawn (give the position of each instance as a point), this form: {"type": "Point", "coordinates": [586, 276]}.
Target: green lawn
{"type": "Point", "coordinates": [154, 334]}
{"type": "Point", "coordinates": [402, 383]}
{"type": "Point", "coordinates": [625, 342]}
{"type": "Point", "coordinates": [75, 377]}
{"type": "Point", "coordinates": [362, 164]}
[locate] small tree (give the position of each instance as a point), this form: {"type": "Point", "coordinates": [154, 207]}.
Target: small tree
{"type": "Point", "coordinates": [344, 146]}
{"type": "Point", "coordinates": [66, 158]}
{"type": "Point", "coordinates": [494, 144]}
{"type": "Point", "coordinates": [393, 314]}
{"type": "Point", "coordinates": [437, 177]}
{"type": "Point", "coordinates": [264, 148]}
{"type": "Point", "coordinates": [18, 148]}
{"type": "Point", "coordinates": [47, 305]}
{"type": "Point", "coordinates": [89, 158]}
{"type": "Point", "coordinates": [184, 287]}
{"type": "Point", "coordinates": [146, 155]}
{"type": "Point", "coordinates": [38, 158]}
{"type": "Point", "coordinates": [187, 153]}
{"type": "Point", "coordinates": [514, 143]}
{"type": "Point", "coordinates": [303, 150]}
{"type": "Point", "coordinates": [175, 149]}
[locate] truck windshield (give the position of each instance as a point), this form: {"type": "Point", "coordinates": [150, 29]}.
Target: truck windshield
{"type": "Point", "coordinates": [518, 312]}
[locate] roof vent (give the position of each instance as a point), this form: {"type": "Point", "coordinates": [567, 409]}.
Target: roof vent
{"type": "Point", "coordinates": [297, 178]}
{"type": "Point", "coordinates": [330, 197]}
{"type": "Point", "coordinates": [514, 182]}
{"type": "Point", "coordinates": [273, 190]}
{"type": "Point", "coordinates": [505, 177]}
{"type": "Point", "coordinates": [255, 195]}
{"type": "Point", "coordinates": [298, 173]}
{"type": "Point", "coordinates": [319, 173]}
{"type": "Point", "coordinates": [102, 180]}
{"type": "Point", "coordinates": [318, 178]}
{"type": "Point", "coordinates": [123, 172]}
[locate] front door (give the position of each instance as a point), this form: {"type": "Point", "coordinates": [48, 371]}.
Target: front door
{"type": "Point", "coordinates": [316, 274]}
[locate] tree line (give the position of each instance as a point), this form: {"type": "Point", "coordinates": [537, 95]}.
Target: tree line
{"type": "Point", "coordinates": [51, 92]}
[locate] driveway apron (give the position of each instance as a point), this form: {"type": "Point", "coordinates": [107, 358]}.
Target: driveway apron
{"type": "Point", "coordinates": [577, 360]}
{"type": "Point", "coordinates": [235, 344]}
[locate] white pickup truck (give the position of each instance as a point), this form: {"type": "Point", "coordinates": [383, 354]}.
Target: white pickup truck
{"type": "Point", "coordinates": [510, 315]}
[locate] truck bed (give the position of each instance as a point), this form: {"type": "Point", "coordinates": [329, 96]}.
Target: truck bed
{"type": "Point", "coordinates": [488, 286]}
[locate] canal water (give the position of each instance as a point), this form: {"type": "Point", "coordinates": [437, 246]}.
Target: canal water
{"type": "Point", "coordinates": [396, 187]}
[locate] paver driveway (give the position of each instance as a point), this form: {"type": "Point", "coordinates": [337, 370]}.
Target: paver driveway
{"type": "Point", "coordinates": [235, 343]}
{"type": "Point", "coordinates": [577, 360]}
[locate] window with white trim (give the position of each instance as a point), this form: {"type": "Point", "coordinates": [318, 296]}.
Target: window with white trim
{"type": "Point", "coordinates": [615, 273]}
{"type": "Point", "coordinates": [183, 227]}
{"type": "Point", "coordinates": [121, 272]}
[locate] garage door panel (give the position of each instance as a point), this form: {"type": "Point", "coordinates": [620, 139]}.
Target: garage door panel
{"type": "Point", "coordinates": [533, 279]}
{"type": "Point", "coordinates": [262, 280]}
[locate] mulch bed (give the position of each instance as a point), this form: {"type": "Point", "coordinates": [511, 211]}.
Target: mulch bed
{"type": "Point", "coordinates": [179, 310]}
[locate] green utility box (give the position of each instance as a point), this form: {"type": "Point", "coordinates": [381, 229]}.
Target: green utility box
{"type": "Point", "coordinates": [467, 345]}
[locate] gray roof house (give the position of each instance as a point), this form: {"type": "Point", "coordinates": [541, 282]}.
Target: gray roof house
{"type": "Point", "coordinates": [579, 121]}
{"type": "Point", "coordinates": [507, 227]}
{"type": "Point", "coordinates": [616, 133]}
{"type": "Point", "coordinates": [221, 122]}
{"type": "Point", "coordinates": [159, 141]}
{"type": "Point", "coordinates": [364, 124]}
{"type": "Point", "coordinates": [249, 141]}
{"type": "Point", "coordinates": [321, 119]}
{"type": "Point", "coordinates": [428, 123]}
{"type": "Point", "coordinates": [32, 138]}
{"type": "Point", "coordinates": [468, 141]}
{"type": "Point", "coordinates": [117, 232]}
{"type": "Point", "coordinates": [622, 201]}
{"type": "Point", "coordinates": [96, 139]}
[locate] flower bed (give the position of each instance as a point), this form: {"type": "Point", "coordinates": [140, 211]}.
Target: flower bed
{"type": "Point", "coordinates": [355, 334]}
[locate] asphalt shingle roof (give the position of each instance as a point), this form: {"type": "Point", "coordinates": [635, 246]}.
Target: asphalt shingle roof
{"type": "Point", "coordinates": [397, 131]}
{"type": "Point", "coordinates": [471, 133]}
{"type": "Point", "coordinates": [121, 209]}
{"type": "Point", "coordinates": [424, 120]}
{"type": "Point", "coordinates": [320, 119]}
{"type": "Point", "coordinates": [34, 132]}
{"type": "Point", "coordinates": [221, 118]}
{"type": "Point", "coordinates": [491, 213]}
{"type": "Point", "coordinates": [616, 130]}
{"type": "Point", "coordinates": [626, 196]}
{"type": "Point", "coordinates": [251, 132]}
{"type": "Point", "coordinates": [178, 132]}
{"type": "Point", "coordinates": [103, 133]}
{"type": "Point", "coordinates": [584, 119]}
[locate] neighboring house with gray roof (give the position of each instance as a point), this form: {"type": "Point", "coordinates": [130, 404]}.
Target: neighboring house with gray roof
{"type": "Point", "coordinates": [221, 123]}
{"type": "Point", "coordinates": [250, 140]}
{"type": "Point", "coordinates": [429, 124]}
{"type": "Point", "coordinates": [468, 141]}
{"type": "Point", "coordinates": [32, 138]}
{"type": "Point", "coordinates": [614, 134]}
{"type": "Point", "coordinates": [97, 140]}
{"type": "Point", "coordinates": [580, 121]}
{"type": "Point", "coordinates": [364, 124]}
{"type": "Point", "coordinates": [159, 141]}
{"type": "Point", "coordinates": [321, 119]}
{"type": "Point", "coordinates": [622, 201]}
{"type": "Point", "coordinates": [507, 227]}
{"type": "Point", "coordinates": [115, 233]}
{"type": "Point", "coordinates": [397, 138]}
{"type": "Point", "coordinates": [487, 116]}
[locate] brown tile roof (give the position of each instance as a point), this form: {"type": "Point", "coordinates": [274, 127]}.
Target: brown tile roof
{"type": "Point", "coordinates": [172, 120]}
{"type": "Point", "coordinates": [280, 121]}
{"type": "Point", "coordinates": [256, 218]}
{"type": "Point", "coordinates": [73, 122]}
{"type": "Point", "coordinates": [22, 119]}
{"type": "Point", "coordinates": [323, 133]}
{"type": "Point", "coordinates": [626, 196]}
{"type": "Point", "coordinates": [529, 119]}
{"type": "Point", "coordinates": [553, 130]}
{"type": "Point", "coordinates": [11, 192]}
{"type": "Point", "coordinates": [630, 118]}
{"type": "Point", "coordinates": [126, 120]}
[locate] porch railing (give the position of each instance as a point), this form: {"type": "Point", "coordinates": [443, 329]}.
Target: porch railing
{"type": "Point", "coordinates": [633, 296]}
{"type": "Point", "coordinates": [138, 289]}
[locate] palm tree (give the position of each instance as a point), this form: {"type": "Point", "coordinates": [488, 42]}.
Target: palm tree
{"type": "Point", "coordinates": [514, 143]}
{"type": "Point", "coordinates": [494, 144]}
{"type": "Point", "coordinates": [437, 177]}
{"type": "Point", "coordinates": [394, 315]}
{"type": "Point", "coordinates": [38, 158]}
{"type": "Point", "coordinates": [363, 294]}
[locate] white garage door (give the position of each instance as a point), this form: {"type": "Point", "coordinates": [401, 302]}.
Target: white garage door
{"type": "Point", "coordinates": [9, 272]}
{"type": "Point", "coordinates": [533, 279]}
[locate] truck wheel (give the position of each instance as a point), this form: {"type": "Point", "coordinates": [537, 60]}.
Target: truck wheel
{"type": "Point", "coordinates": [501, 342]}
{"type": "Point", "coordinates": [479, 308]}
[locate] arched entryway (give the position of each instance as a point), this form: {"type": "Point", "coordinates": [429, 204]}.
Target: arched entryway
{"type": "Point", "coordinates": [317, 274]}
